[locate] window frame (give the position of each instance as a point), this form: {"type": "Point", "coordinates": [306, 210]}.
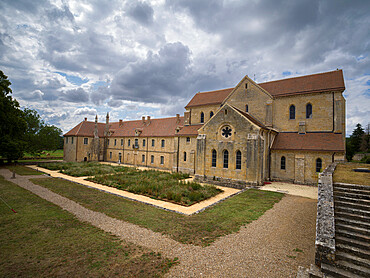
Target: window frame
{"type": "Point", "coordinates": [86, 141]}
{"type": "Point", "coordinates": [144, 142]}
{"type": "Point", "coordinates": [238, 160]}
{"type": "Point", "coordinates": [163, 143]}
{"type": "Point", "coordinates": [318, 162]}
{"type": "Point", "coordinates": [226, 159]}
{"type": "Point", "coordinates": [283, 163]}
{"type": "Point", "coordinates": [162, 160]}
{"type": "Point", "coordinates": [153, 142]}
{"type": "Point", "coordinates": [121, 142]}
{"type": "Point", "coordinates": [185, 156]}
{"type": "Point", "coordinates": [292, 112]}
{"type": "Point", "coordinates": [129, 142]}
{"type": "Point", "coordinates": [247, 108]}
{"type": "Point", "coordinates": [309, 112]}
{"type": "Point", "coordinates": [202, 118]}
{"type": "Point", "coordinates": [214, 158]}
{"type": "Point", "coordinates": [143, 158]}
{"type": "Point", "coordinates": [211, 114]}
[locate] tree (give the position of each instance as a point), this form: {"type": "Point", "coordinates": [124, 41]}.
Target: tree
{"type": "Point", "coordinates": [12, 124]}
{"type": "Point", "coordinates": [356, 137]}
{"type": "Point", "coordinates": [22, 131]}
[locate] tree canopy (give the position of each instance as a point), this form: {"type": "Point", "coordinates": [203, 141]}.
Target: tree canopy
{"type": "Point", "coordinates": [22, 130]}
{"type": "Point", "coordinates": [357, 142]}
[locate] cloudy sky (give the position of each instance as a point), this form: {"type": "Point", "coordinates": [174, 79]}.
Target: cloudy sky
{"type": "Point", "coordinates": [75, 59]}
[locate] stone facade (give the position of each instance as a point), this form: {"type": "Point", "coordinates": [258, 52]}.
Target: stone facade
{"type": "Point", "coordinates": [286, 130]}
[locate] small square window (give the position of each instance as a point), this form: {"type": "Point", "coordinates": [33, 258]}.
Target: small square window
{"type": "Point", "coordinates": [187, 139]}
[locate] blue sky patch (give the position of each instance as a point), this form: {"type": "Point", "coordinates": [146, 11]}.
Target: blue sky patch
{"type": "Point", "coordinates": [286, 73]}
{"type": "Point", "coordinates": [75, 80]}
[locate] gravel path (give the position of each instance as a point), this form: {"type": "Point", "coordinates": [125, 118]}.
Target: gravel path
{"type": "Point", "coordinates": [263, 248]}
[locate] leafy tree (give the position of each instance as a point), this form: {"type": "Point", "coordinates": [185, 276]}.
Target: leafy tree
{"type": "Point", "coordinates": [22, 131]}
{"type": "Point", "coordinates": [12, 123]}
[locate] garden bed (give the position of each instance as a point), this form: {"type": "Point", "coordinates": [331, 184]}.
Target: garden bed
{"type": "Point", "coordinates": [155, 184]}
{"type": "Point", "coordinates": [159, 185]}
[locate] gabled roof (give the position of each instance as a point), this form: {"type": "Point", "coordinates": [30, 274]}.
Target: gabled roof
{"type": "Point", "coordinates": [208, 98]}
{"type": "Point", "coordinates": [86, 128]}
{"type": "Point", "coordinates": [158, 127]}
{"type": "Point", "coordinates": [318, 141]}
{"type": "Point", "coordinates": [189, 130]}
{"type": "Point", "coordinates": [251, 118]}
{"type": "Point", "coordinates": [320, 82]}
{"type": "Point", "coordinates": [163, 127]}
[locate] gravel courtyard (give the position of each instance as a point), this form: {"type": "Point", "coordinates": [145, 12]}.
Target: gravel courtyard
{"type": "Point", "coordinates": [273, 246]}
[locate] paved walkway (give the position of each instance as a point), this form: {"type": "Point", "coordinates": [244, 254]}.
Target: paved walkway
{"type": "Point", "coordinates": [263, 248]}
{"type": "Point", "coordinates": [308, 191]}
{"type": "Point", "coordinates": [227, 192]}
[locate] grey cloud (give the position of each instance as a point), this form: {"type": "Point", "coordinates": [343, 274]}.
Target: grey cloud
{"type": "Point", "coordinates": [100, 95]}
{"type": "Point", "coordinates": [155, 78]}
{"type": "Point", "coordinates": [140, 11]}
{"type": "Point", "coordinates": [85, 111]}
{"type": "Point", "coordinates": [78, 95]}
{"type": "Point", "coordinates": [115, 103]}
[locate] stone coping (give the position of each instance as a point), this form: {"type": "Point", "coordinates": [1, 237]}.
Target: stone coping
{"type": "Point", "coordinates": [196, 208]}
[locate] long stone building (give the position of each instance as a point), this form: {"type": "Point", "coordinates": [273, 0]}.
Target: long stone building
{"type": "Point", "coordinates": [286, 130]}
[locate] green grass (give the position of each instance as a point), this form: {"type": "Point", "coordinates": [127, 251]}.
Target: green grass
{"type": "Point", "coordinates": [57, 153]}
{"type": "Point", "coordinates": [159, 185]}
{"type": "Point", "coordinates": [42, 240]}
{"type": "Point", "coordinates": [199, 229]}
{"type": "Point", "coordinates": [23, 171]}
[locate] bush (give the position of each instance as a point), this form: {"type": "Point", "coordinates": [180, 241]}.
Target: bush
{"type": "Point", "coordinates": [366, 159]}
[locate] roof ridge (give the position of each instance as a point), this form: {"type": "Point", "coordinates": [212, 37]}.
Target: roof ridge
{"type": "Point", "coordinates": [231, 88]}
{"type": "Point", "coordinates": [302, 76]}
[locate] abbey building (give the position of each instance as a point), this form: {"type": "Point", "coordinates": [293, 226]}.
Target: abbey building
{"type": "Point", "coordinates": [286, 130]}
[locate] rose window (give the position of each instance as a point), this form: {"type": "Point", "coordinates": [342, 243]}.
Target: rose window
{"type": "Point", "coordinates": [226, 132]}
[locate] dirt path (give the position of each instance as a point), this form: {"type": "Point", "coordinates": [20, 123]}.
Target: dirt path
{"type": "Point", "coordinates": [264, 248]}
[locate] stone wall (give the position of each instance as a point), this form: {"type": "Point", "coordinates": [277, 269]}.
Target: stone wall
{"type": "Point", "coordinates": [325, 226]}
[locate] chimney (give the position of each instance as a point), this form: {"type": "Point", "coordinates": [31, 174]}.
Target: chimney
{"type": "Point", "coordinates": [85, 119]}
{"type": "Point", "coordinates": [143, 119]}
{"type": "Point", "coordinates": [120, 122]}
{"type": "Point", "coordinates": [177, 118]}
{"type": "Point", "coordinates": [148, 120]}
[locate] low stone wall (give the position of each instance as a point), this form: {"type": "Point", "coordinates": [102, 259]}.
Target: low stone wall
{"type": "Point", "coordinates": [325, 226]}
{"type": "Point", "coordinates": [237, 184]}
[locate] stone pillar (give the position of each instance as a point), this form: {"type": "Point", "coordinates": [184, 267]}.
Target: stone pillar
{"type": "Point", "coordinates": [299, 169]}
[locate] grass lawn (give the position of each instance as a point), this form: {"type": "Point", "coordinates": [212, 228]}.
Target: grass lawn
{"type": "Point", "coordinates": [57, 153]}
{"type": "Point", "coordinates": [42, 240]}
{"type": "Point", "coordinates": [155, 184]}
{"type": "Point", "coordinates": [199, 229]}
{"type": "Point", "coordinates": [23, 171]}
{"type": "Point", "coordinates": [344, 173]}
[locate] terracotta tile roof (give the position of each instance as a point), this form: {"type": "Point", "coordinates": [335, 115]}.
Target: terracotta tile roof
{"type": "Point", "coordinates": [157, 128]}
{"type": "Point", "coordinates": [323, 141]}
{"type": "Point", "coordinates": [207, 98]}
{"type": "Point", "coordinates": [320, 82]}
{"type": "Point", "coordinates": [189, 130]}
{"type": "Point", "coordinates": [86, 128]}
{"type": "Point", "coordinates": [251, 118]}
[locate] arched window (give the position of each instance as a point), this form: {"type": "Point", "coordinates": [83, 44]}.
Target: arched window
{"type": "Point", "coordinates": [162, 143]}
{"type": "Point", "coordinates": [214, 158]}
{"type": "Point", "coordinates": [211, 114]}
{"type": "Point", "coordinates": [129, 142]}
{"type": "Point", "coordinates": [282, 163]}
{"type": "Point", "coordinates": [184, 156]}
{"type": "Point", "coordinates": [309, 111]}
{"type": "Point", "coordinates": [238, 161]}
{"type": "Point", "coordinates": [292, 112]}
{"type": "Point", "coordinates": [246, 108]}
{"type": "Point", "coordinates": [226, 159]}
{"type": "Point", "coordinates": [318, 165]}
{"type": "Point", "coordinates": [202, 117]}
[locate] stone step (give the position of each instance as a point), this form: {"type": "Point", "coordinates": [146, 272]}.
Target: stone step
{"type": "Point", "coordinates": [352, 186]}
{"type": "Point", "coordinates": [349, 203]}
{"type": "Point", "coordinates": [351, 190]}
{"type": "Point", "coordinates": [352, 222]}
{"type": "Point", "coordinates": [357, 230]}
{"type": "Point", "coordinates": [351, 241]}
{"type": "Point", "coordinates": [352, 258]}
{"type": "Point", "coordinates": [352, 195]}
{"type": "Point", "coordinates": [315, 272]}
{"type": "Point", "coordinates": [353, 235]}
{"type": "Point", "coordinates": [363, 253]}
{"type": "Point", "coordinates": [334, 271]}
{"type": "Point", "coordinates": [353, 216]}
{"type": "Point", "coordinates": [356, 269]}
{"type": "Point", "coordinates": [352, 200]}
{"type": "Point", "coordinates": [353, 211]}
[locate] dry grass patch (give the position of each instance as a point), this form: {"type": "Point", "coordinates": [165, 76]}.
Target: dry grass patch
{"type": "Point", "coordinates": [23, 170]}
{"type": "Point", "coordinates": [42, 240]}
{"type": "Point", "coordinates": [344, 173]}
